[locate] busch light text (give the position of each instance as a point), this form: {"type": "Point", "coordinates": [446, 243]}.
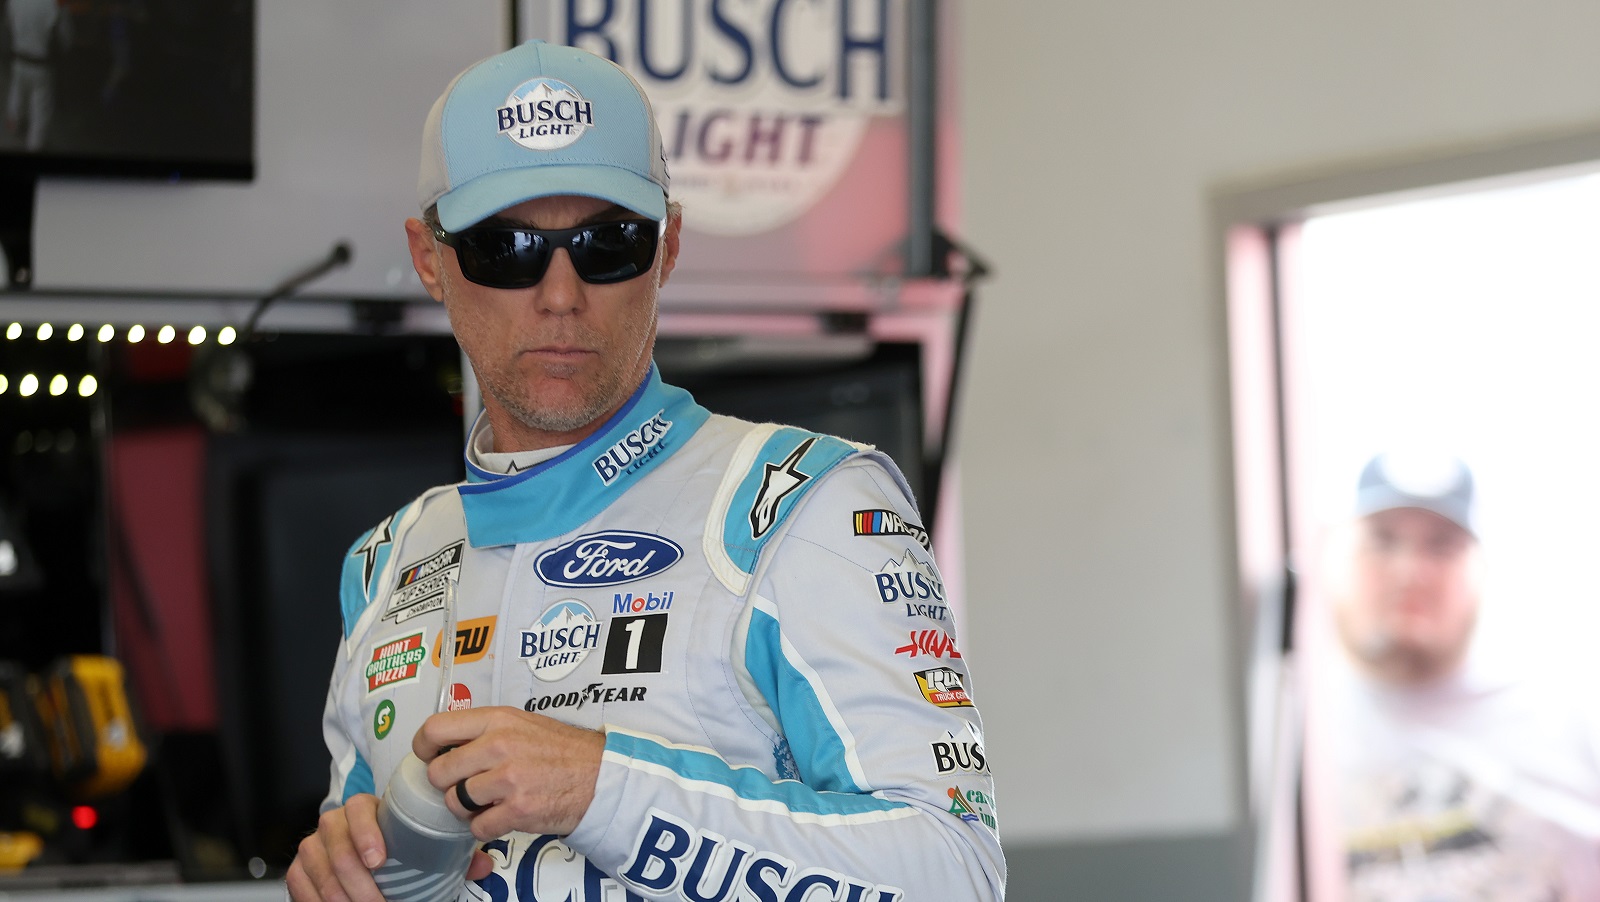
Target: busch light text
{"type": "Point", "coordinates": [836, 48]}
{"type": "Point", "coordinates": [669, 855]}
{"type": "Point", "coordinates": [633, 449]}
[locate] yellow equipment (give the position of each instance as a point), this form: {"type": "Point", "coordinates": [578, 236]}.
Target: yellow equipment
{"type": "Point", "coordinates": [94, 744]}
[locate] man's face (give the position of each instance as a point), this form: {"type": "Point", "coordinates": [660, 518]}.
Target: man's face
{"type": "Point", "coordinates": [556, 359]}
{"type": "Point", "coordinates": [1408, 609]}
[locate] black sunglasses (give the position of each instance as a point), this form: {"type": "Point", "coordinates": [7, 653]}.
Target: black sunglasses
{"type": "Point", "coordinates": [516, 257]}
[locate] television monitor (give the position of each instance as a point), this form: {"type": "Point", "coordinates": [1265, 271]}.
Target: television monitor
{"type": "Point", "coordinates": [120, 88]}
{"type": "Point", "coordinates": [876, 399]}
{"type": "Point", "coordinates": [161, 88]}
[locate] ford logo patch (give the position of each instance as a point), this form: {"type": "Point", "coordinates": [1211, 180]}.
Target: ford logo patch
{"type": "Point", "coordinates": [607, 559]}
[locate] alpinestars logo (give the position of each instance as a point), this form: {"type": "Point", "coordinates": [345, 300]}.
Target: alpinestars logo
{"type": "Point", "coordinates": [379, 537]}
{"type": "Point", "coordinates": [776, 484]}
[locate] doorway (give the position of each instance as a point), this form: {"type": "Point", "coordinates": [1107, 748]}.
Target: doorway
{"type": "Point", "coordinates": [1454, 315]}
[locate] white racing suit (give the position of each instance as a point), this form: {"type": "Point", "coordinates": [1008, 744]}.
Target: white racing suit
{"type": "Point", "coordinates": [751, 615]}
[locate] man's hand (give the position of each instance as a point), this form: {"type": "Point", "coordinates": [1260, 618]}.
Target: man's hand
{"type": "Point", "coordinates": [335, 863]}
{"type": "Point", "coordinates": [529, 772]}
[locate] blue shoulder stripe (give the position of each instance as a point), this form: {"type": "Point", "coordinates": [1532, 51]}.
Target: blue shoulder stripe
{"type": "Point", "coordinates": [746, 782]}
{"type": "Point", "coordinates": [785, 469]}
{"type": "Point", "coordinates": [818, 750]}
{"type": "Point", "coordinates": [366, 560]}
{"type": "Point", "coordinates": [359, 779]}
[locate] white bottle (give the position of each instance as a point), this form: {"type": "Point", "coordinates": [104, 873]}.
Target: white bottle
{"type": "Point", "coordinates": [429, 847]}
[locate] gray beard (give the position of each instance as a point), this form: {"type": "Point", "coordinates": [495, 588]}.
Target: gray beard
{"type": "Point", "coordinates": [555, 421]}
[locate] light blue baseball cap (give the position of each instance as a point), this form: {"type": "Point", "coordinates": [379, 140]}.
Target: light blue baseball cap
{"type": "Point", "coordinates": [535, 121]}
{"type": "Point", "coordinates": [1427, 479]}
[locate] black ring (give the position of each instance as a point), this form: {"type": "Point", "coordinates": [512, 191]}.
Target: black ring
{"type": "Point", "coordinates": [466, 800]}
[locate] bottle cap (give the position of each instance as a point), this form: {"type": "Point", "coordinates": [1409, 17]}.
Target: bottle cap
{"type": "Point", "coordinates": [421, 801]}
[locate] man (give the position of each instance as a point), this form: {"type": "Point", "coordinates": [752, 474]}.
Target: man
{"type": "Point", "coordinates": [1455, 781]}
{"type": "Point", "coordinates": [696, 658]}
{"type": "Point", "coordinates": [1407, 613]}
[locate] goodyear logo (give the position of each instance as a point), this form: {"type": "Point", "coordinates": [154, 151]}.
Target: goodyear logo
{"type": "Point", "coordinates": [395, 662]}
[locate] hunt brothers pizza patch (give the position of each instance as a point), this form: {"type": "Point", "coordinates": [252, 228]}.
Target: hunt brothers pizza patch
{"type": "Point", "coordinates": [395, 662]}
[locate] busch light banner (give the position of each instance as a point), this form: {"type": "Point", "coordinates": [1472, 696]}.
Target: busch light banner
{"type": "Point", "coordinates": [783, 123]}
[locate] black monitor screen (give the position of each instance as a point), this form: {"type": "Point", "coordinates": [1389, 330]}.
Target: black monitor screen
{"type": "Point", "coordinates": [877, 400]}
{"type": "Point", "coordinates": [160, 88]}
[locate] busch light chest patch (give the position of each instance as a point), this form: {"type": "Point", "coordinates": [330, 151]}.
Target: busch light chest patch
{"type": "Point", "coordinates": [560, 640]}
{"type": "Point", "coordinates": [607, 559]}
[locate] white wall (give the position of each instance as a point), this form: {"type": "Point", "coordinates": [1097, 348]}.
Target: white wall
{"type": "Point", "coordinates": [1094, 424]}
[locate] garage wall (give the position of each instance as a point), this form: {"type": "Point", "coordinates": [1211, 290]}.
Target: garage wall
{"type": "Point", "coordinates": [1094, 428]}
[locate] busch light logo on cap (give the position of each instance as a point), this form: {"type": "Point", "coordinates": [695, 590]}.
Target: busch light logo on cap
{"type": "Point", "coordinates": [545, 114]}
{"type": "Point", "coordinates": [607, 559]}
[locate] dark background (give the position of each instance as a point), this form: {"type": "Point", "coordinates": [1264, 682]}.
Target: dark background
{"type": "Point", "coordinates": [332, 434]}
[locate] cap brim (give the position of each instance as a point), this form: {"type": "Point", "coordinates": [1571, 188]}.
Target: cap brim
{"type": "Point", "coordinates": [1377, 499]}
{"type": "Point", "coordinates": [487, 195]}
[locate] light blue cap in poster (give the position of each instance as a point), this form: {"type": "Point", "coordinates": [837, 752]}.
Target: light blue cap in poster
{"type": "Point", "coordinates": [535, 121]}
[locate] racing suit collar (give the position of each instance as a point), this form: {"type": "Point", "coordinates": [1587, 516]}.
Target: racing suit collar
{"type": "Point", "coordinates": [560, 494]}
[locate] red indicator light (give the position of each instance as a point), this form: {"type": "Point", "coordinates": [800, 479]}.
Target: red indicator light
{"type": "Point", "coordinates": [84, 817]}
